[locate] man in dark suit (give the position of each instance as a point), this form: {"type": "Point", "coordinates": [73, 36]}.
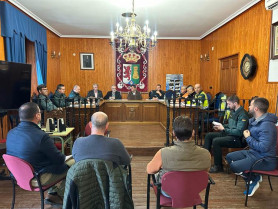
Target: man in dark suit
{"type": "Point", "coordinates": [95, 92]}
{"type": "Point", "coordinates": [134, 94]}
{"type": "Point", "coordinates": [28, 142]}
{"type": "Point", "coordinates": [114, 94]}
{"type": "Point", "coordinates": [157, 94]}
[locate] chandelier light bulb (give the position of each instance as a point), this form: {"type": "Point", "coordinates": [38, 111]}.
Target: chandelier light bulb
{"type": "Point", "coordinates": [132, 37]}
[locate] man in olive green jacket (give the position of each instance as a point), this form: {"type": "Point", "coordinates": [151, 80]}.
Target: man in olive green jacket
{"type": "Point", "coordinates": [43, 101]}
{"type": "Point", "coordinates": [228, 135]}
{"type": "Point", "coordinates": [59, 98]}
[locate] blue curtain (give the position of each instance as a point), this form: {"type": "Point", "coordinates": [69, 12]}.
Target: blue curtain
{"type": "Point", "coordinates": [15, 27]}
{"type": "Point", "coordinates": [16, 46]}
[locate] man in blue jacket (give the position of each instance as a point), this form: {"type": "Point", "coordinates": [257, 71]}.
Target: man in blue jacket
{"type": "Point", "coordinates": [261, 139]}
{"type": "Point", "coordinates": [28, 142]}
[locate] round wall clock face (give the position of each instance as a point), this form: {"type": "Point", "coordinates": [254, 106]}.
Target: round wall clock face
{"type": "Point", "coordinates": [248, 66]}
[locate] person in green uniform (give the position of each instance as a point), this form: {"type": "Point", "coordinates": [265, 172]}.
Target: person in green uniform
{"type": "Point", "coordinates": [228, 135]}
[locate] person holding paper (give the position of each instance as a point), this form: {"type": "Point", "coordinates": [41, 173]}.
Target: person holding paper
{"type": "Point", "coordinates": [228, 135]}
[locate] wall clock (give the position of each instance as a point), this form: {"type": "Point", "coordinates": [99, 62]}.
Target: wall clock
{"type": "Point", "coordinates": [248, 66]}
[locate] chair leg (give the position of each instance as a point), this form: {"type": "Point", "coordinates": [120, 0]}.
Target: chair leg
{"type": "Point", "coordinates": [13, 181]}
{"type": "Point", "coordinates": [194, 207]}
{"type": "Point", "coordinates": [236, 180]}
{"type": "Point", "coordinates": [42, 199]}
{"type": "Point", "coordinates": [270, 183]}
{"type": "Point", "coordinates": [247, 191]}
{"type": "Point", "coordinates": [158, 197]}
{"type": "Point", "coordinates": [148, 191]}
{"type": "Point", "coordinates": [207, 196]}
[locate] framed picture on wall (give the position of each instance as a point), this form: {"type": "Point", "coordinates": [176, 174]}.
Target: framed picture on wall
{"type": "Point", "coordinates": [87, 61]}
{"type": "Point", "coordinates": [274, 41]}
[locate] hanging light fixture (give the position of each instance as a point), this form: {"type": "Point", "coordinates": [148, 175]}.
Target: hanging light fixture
{"type": "Point", "coordinates": [131, 36]}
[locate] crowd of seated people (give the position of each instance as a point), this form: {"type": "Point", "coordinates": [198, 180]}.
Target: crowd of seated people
{"type": "Point", "coordinates": [194, 95]}
{"type": "Point", "coordinates": [27, 141]}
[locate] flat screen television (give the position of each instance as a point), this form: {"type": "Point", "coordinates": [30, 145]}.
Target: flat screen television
{"type": "Point", "coordinates": [15, 84]}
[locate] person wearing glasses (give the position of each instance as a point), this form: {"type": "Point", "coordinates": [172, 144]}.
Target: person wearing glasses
{"type": "Point", "coordinates": [43, 101]}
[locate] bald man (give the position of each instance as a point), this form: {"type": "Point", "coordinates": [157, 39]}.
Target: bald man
{"type": "Point", "coordinates": [98, 146]}
{"type": "Point", "coordinates": [201, 96]}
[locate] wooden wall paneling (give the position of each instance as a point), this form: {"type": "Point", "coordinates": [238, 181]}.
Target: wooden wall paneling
{"type": "Point", "coordinates": [174, 57]}
{"type": "Point", "coordinates": [169, 57]}
{"type": "Point", "coordinates": [104, 57]}
{"type": "Point", "coordinates": [133, 112]}
{"type": "Point", "coordinates": [151, 112]}
{"type": "Point", "coordinates": [53, 64]}
{"type": "Point", "coordinates": [247, 33]}
{"type": "Point", "coordinates": [114, 111]}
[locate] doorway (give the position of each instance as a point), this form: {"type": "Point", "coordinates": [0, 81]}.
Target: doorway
{"type": "Point", "coordinates": [228, 75]}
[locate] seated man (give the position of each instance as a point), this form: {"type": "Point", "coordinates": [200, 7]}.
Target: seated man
{"type": "Point", "coordinates": [183, 92]}
{"type": "Point", "coordinates": [184, 155]}
{"type": "Point", "coordinates": [134, 94]}
{"type": "Point", "coordinates": [113, 94]}
{"type": "Point", "coordinates": [95, 93]}
{"type": "Point", "coordinates": [75, 96]}
{"type": "Point", "coordinates": [43, 101]}
{"type": "Point", "coordinates": [191, 93]}
{"type": "Point", "coordinates": [98, 146]}
{"type": "Point", "coordinates": [228, 135]}
{"type": "Point", "coordinates": [201, 97]}
{"type": "Point", "coordinates": [59, 97]}
{"type": "Point", "coordinates": [157, 94]}
{"type": "Point", "coordinates": [28, 142]}
{"type": "Point", "coordinates": [261, 139]}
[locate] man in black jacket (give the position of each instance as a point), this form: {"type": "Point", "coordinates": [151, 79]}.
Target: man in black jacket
{"type": "Point", "coordinates": [59, 98]}
{"type": "Point", "coordinates": [157, 94]}
{"type": "Point", "coordinates": [28, 142]}
{"type": "Point", "coordinates": [113, 94]}
{"type": "Point", "coordinates": [95, 92]}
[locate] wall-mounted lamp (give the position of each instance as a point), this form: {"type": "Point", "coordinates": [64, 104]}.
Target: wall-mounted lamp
{"type": "Point", "coordinates": [55, 55]}
{"type": "Point", "coordinates": [205, 57]}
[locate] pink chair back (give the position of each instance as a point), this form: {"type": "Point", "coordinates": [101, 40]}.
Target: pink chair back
{"type": "Point", "coordinates": [277, 141]}
{"type": "Point", "coordinates": [22, 171]}
{"type": "Point", "coordinates": [184, 187]}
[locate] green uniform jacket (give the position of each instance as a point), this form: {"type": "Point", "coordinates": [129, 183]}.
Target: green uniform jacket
{"type": "Point", "coordinates": [237, 123]}
{"type": "Point", "coordinates": [59, 99]}
{"type": "Point", "coordinates": [45, 103]}
{"type": "Point", "coordinates": [97, 184]}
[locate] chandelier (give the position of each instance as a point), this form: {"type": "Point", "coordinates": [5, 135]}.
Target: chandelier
{"type": "Point", "coordinates": [131, 37]}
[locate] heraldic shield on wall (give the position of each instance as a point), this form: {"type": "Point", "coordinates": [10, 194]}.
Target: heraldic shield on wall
{"type": "Point", "coordinates": [132, 68]}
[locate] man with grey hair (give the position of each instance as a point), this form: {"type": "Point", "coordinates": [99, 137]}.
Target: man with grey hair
{"type": "Point", "coordinates": [74, 94]}
{"type": "Point", "coordinates": [98, 146]}
{"type": "Point", "coordinates": [95, 92]}
{"type": "Point", "coordinates": [113, 94]}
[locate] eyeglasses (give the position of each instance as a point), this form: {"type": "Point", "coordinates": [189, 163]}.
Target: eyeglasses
{"type": "Point", "coordinates": [44, 89]}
